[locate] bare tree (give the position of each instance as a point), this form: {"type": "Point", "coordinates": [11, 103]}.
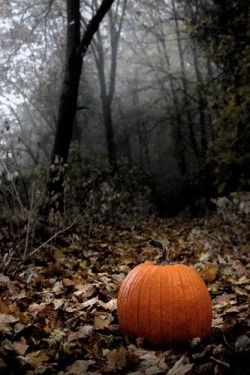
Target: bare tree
{"type": "Point", "coordinates": [107, 81]}
{"type": "Point", "coordinates": [76, 48]}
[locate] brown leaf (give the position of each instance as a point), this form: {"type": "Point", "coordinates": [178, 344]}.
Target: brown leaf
{"type": "Point", "coordinates": [181, 368]}
{"type": "Point", "coordinates": [103, 320]}
{"type": "Point", "coordinates": [86, 331]}
{"type": "Point", "coordinates": [6, 321]}
{"type": "Point", "coordinates": [79, 367]}
{"type": "Point", "coordinates": [117, 358]}
{"type": "Point", "coordinates": [111, 305]}
{"type": "Point", "coordinates": [20, 347]}
{"type": "Point", "coordinates": [36, 307]}
{"type": "Point", "coordinates": [36, 358]}
{"type": "Point", "coordinates": [242, 344]}
{"type": "Point", "coordinates": [67, 282]}
{"type": "Point", "coordinates": [89, 303]}
{"type": "Point", "coordinates": [58, 254]}
{"type": "Point", "coordinates": [153, 362]}
{"type": "Point", "coordinates": [209, 273]}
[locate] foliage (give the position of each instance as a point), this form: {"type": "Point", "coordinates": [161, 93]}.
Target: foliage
{"type": "Point", "coordinates": [161, 117]}
{"type": "Point", "coordinates": [92, 188]}
{"type": "Point", "coordinates": [19, 213]}
{"type": "Point", "coordinates": [91, 191]}
{"type": "Point", "coordinates": [156, 109]}
{"type": "Point", "coordinates": [223, 29]}
{"type": "Point", "coordinates": [234, 209]}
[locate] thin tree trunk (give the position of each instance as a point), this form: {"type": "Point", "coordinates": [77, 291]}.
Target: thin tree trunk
{"type": "Point", "coordinates": [75, 50]}
{"type": "Point", "coordinates": [202, 106]}
{"type": "Point", "coordinates": [192, 135]}
{"type": "Point", "coordinates": [107, 86]}
{"type": "Point", "coordinates": [177, 132]}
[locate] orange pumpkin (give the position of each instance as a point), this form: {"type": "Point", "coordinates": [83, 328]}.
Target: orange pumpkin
{"type": "Point", "coordinates": [165, 304]}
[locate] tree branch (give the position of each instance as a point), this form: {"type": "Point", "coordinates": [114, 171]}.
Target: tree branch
{"type": "Point", "coordinates": [93, 25]}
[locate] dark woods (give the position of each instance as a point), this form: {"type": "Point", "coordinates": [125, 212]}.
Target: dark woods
{"type": "Point", "coordinates": [131, 104]}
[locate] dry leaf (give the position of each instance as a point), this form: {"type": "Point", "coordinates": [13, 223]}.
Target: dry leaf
{"type": "Point", "coordinates": [85, 331]}
{"type": "Point", "coordinates": [209, 273]}
{"type": "Point", "coordinates": [6, 321]}
{"type": "Point", "coordinates": [181, 368]}
{"type": "Point", "coordinates": [111, 305]}
{"type": "Point", "coordinates": [58, 254]}
{"type": "Point", "coordinates": [102, 321]}
{"type": "Point", "coordinates": [79, 367]}
{"type": "Point", "coordinates": [20, 346]}
{"type": "Point", "coordinates": [67, 282]}
{"type": "Point", "coordinates": [89, 303]}
{"type": "Point", "coordinates": [36, 358]}
{"type": "Point", "coordinates": [36, 307]}
{"type": "Point", "coordinates": [117, 358]}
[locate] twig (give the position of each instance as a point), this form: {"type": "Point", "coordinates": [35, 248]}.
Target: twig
{"type": "Point", "coordinates": [55, 235]}
{"type": "Point", "coordinates": [227, 365]}
{"type": "Point", "coordinates": [225, 340]}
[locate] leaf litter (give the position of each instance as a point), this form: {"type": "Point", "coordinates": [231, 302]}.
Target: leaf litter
{"type": "Point", "coordinates": [58, 313]}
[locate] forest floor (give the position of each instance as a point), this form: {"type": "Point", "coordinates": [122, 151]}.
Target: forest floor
{"type": "Point", "coordinates": [58, 311]}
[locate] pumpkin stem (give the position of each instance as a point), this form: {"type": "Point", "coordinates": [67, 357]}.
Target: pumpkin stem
{"type": "Point", "coordinates": [165, 252]}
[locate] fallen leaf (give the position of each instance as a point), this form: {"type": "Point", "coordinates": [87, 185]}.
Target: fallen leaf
{"type": "Point", "coordinates": [111, 305]}
{"type": "Point", "coordinates": [79, 367]}
{"type": "Point", "coordinates": [85, 331]}
{"type": "Point", "coordinates": [20, 347]}
{"type": "Point", "coordinates": [117, 358]}
{"type": "Point", "coordinates": [36, 358]}
{"type": "Point", "coordinates": [209, 273]}
{"type": "Point", "coordinates": [67, 282]}
{"type": "Point", "coordinates": [181, 368]}
{"type": "Point", "coordinates": [58, 254]}
{"type": "Point", "coordinates": [6, 321]}
{"type": "Point", "coordinates": [102, 321]}
{"type": "Point", "coordinates": [36, 307]}
{"type": "Point", "coordinates": [91, 302]}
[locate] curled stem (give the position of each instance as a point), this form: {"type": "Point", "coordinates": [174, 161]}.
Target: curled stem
{"type": "Point", "coordinates": [164, 259]}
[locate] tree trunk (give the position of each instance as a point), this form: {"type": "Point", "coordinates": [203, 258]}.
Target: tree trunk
{"type": "Point", "coordinates": [107, 84]}
{"type": "Point", "coordinates": [192, 135]}
{"type": "Point", "coordinates": [76, 48]}
{"type": "Point", "coordinates": [109, 132]}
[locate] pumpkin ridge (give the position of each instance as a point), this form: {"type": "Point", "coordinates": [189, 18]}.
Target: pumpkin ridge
{"type": "Point", "coordinates": [173, 307]}
{"type": "Point", "coordinates": [181, 274]}
{"type": "Point", "coordinates": [149, 304]}
{"type": "Point", "coordinates": [202, 306]}
{"type": "Point", "coordinates": [166, 297]}
{"type": "Point", "coordinates": [206, 309]}
{"type": "Point", "coordinates": [127, 317]}
{"type": "Point", "coordinates": [148, 294]}
{"type": "Point", "coordinates": [194, 291]}
{"type": "Point", "coordinates": [136, 281]}
{"type": "Point", "coordinates": [126, 287]}
{"type": "Point", "coordinates": [193, 324]}
{"type": "Point", "coordinates": [183, 287]}
{"type": "Point", "coordinates": [123, 302]}
{"type": "Point", "coordinates": [155, 294]}
{"type": "Point", "coordinates": [161, 300]}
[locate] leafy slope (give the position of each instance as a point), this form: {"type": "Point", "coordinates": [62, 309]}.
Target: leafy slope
{"type": "Point", "coordinates": [58, 313]}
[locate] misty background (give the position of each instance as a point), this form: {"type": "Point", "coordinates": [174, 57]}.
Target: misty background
{"type": "Point", "coordinates": [162, 122]}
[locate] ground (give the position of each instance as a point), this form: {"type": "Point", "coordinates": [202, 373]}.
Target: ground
{"type": "Point", "coordinates": [58, 308]}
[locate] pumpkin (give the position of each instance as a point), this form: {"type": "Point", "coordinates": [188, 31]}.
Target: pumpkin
{"type": "Point", "coordinates": [166, 304]}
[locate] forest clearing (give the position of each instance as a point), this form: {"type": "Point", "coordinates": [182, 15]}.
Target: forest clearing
{"type": "Point", "coordinates": [58, 311]}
